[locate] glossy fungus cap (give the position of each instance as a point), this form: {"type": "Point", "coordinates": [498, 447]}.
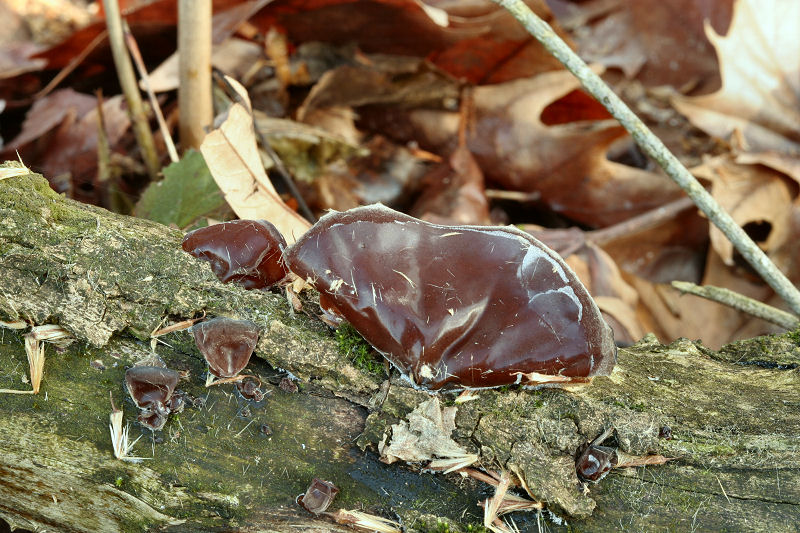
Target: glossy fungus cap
{"type": "Point", "coordinates": [456, 306]}
{"type": "Point", "coordinates": [247, 252]}
{"type": "Point", "coordinates": [595, 462]}
{"type": "Point", "coordinates": [318, 496]}
{"type": "Point", "coordinates": [151, 387]}
{"type": "Point", "coordinates": [227, 344]}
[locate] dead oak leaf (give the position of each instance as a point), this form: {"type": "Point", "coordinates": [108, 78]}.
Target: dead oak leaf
{"type": "Point", "coordinates": [521, 143]}
{"type": "Point", "coordinates": [758, 106]}
{"type": "Point", "coordinates": [758, 198]}
{"type": "Point", "coordinates": [423, 436]}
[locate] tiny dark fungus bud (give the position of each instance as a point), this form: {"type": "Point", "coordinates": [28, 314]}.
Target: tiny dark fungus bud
{"type": "Point", "coordinates": [595, 462]}
{"type": "Point", "coordinates": [151, 419]}
{"type": "Point", "coordinates": [455, 306]}
{"type": "Point", "coordinates": [250, 389]}
{"type": "Point", "coordinates": [665, 432]}
{"type": "Point", "coordinates": [177, 402]}
{"type": "Point", "coordinates": [319, 496]}
{"type": "Point", "coordinates": [247, 252]}
{"type": "Point", "coordinates": [152, 388]}
{"type": "Point", "coordinates": [227, 344]}
{"type": "Point", "coordinates": [288, 385]}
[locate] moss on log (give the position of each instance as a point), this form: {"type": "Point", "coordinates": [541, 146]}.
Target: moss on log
{"type": "Point", "coordinates": [111, 280]}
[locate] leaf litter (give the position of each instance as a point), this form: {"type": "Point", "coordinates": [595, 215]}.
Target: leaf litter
{"type": "Point", "coordinates": [374, 108]}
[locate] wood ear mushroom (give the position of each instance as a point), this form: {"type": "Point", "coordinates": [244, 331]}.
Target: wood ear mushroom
{"type": "Point", "coordinates": [247, 252]}
{"type": "Point", "coordinates": [152, 388]}
{"type": "Point", "coordinates": [455, 306]}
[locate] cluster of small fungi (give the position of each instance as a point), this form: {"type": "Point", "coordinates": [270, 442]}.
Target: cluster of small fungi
{"type": "Point", "coordinates": [226, 344]}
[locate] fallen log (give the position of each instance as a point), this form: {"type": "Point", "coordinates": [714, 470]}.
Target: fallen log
{"type": "Point", "coordinates": [227, 464]}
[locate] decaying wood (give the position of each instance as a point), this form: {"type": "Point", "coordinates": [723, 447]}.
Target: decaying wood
{"type": "Point", "coordinates": [111, 280]}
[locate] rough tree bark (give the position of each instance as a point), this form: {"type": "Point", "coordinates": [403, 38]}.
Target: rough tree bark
{"type": "Point", "coordinates": [111, 280]}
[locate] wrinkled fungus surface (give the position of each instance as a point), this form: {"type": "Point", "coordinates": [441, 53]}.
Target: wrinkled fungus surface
{"type": "Point", "coordinates": [455, 306]}
{"type": "Point", "coordinates": [319, 496]}
{"type": "Point", "coordinates": [152, 388]}
{"type": "Point", "coordinates": [595, 462]}
{"type": "Point", "coordinates": [247, 252]}
{"type": "Point", "coordinates": [227, 344]}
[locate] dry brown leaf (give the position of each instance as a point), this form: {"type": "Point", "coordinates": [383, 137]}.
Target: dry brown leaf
{"type": "Point", "coordinates": [234, 57]}
{"type": "Point", "coordinates": [59, 139]}
{"type": "Point", "coordinates": [671, 315]}
{"type": "Point", "coordinates": [233, 159]}
{"type": "Point", "coordinates": [390, 174]}
{"type": "Point", "coordinates": [454, 192]}
{"type": "Point", "coordinates": [758, 106]}
{"type": "Point", "coordinates": [564, 159]}
{"type": "Point", "coordinates": [655, 41]}
{"type": "Point", "coordinates": [477, 40]}
{"type": "Point", "coordinates": [423, 436]}
{"type": "Point", "coordinates": [758, 199]}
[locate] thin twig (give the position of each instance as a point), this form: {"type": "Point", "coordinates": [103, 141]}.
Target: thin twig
{"type": "Point", "coordinates": [133, 47]}
{"type": "Point", "coordinates": [640, 223]}
{"type": "Point", "coordinates": [653, 147]}
{"type": "Point", "coordinates": [740, 302]}
{"type": "Point", "coordinates": [127, 79]}
{"type": "Point", "coordinates": [262, 139]}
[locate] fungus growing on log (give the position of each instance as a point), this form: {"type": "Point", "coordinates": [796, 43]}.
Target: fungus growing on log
{"type": "Point", "coordinates": [456, 306]}
{"type": "Point", "coordinates": [247, 252]}
{"type": "Point", "coordinates": [152, 388]}
{"type": "Point", "coordinates": [227, 344]}
{"type": "Point", "coordinates": [319, 496]}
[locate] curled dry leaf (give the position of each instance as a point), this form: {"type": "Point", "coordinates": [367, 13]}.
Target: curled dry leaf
{"type": "Point", "coordinates": [758, 198]}
{"type": "Point", "coordinates": [758, 106]}
{"type": "Point", "coordinates": [478, 41]}
{"type": "Point", "coordinates": [654, 41]}
{"type": "Point", "coordinates": [68, 154]}
{"type": "Point", "coordinates": [524, 143]}
{"type": "Point", "coordinates": [232, 156]}
{"type": "Point", "coordinates": [453, 192]}
{"type": "Point", "coordinates": [425, 435]}
{"type": "Point", "coordinates": [671, 315]}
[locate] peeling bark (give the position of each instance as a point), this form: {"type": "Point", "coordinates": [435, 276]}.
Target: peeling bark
{"type": "Point", "coordinates": [110, 280]}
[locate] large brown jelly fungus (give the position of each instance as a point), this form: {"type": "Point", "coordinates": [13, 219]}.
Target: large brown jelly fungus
{"type": "Point", "coordinates": [319, 496]}
{"type": "Point", "coordinates": [247, 252]}
{"type": "Point", "coordinates": [456, 306]}
{"type": "Point", "coordinates": [152, 388]}
{"type": "Point", "coordinates": [227, 344]}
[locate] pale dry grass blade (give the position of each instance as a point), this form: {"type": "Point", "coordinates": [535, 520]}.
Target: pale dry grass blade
{"type": "Point", "coordinates": [119, 436]}
{"type": "Point", "coordinates": [365, 522]}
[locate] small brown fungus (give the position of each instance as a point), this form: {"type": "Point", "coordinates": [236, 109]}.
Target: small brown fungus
{"type": "Point", "coordinates": [455, 306]}
{"type": "Point", "coordinates": [227, 344]}
{"type": "Point", "coordinates": [247, 252]}
{"type": "Point", "coordinates": [288, 385]}
{"type": "Point", "coordinates": [595, 461]}
{"type": "Point", "coordinates": [250, 389]}
{"type": "Point", "coordinates": [152, 388]}
{"type": "Point", "coordinates": [319, 496]}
